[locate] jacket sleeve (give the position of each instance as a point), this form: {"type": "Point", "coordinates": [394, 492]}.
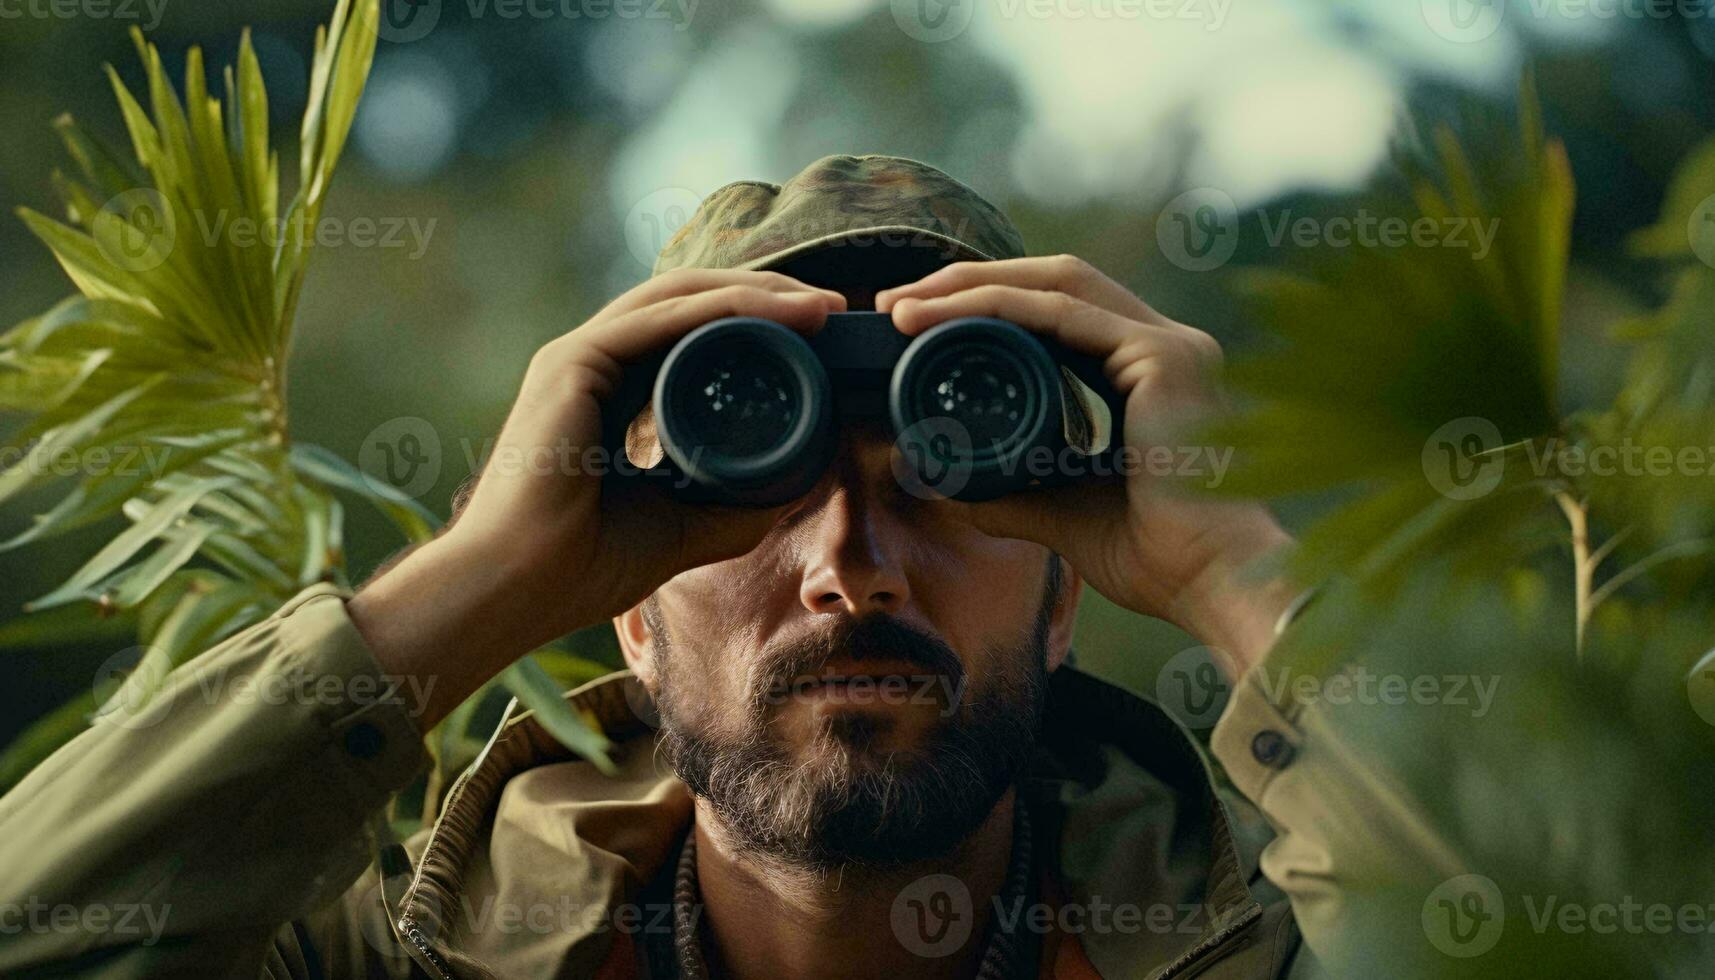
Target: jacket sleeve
{"type": "Point", "coordinates": [210, 831]}
{"type": "Point", "coordinates": [1352, 848]}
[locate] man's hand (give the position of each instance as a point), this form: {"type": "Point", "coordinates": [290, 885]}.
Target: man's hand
{"type": "Point", "coordinates": [1138, 543]}
{"type": "Point", "coordinates": [539, 551]}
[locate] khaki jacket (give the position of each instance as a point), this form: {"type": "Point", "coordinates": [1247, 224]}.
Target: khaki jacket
{"type": "Point", "coordinates": [229, 828]}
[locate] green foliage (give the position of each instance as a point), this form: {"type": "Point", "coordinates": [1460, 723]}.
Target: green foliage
{"type": "Point", "coordinates": [1584, 589]}
{"type": "Point", "coordinates": [159, 391]}
{"type": "Point", "coordinates": [1381, 348]}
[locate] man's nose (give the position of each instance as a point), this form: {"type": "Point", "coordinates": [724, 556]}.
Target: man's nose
{"type": "Point", "coordinates": [854, 561]}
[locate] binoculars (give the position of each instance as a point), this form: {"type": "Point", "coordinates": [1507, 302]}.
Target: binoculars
{"type": "Point", "coordinates": [748, 412]}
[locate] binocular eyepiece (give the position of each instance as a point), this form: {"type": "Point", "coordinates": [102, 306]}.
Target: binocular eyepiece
{"type": "Point", "coordinates": [748, 412]}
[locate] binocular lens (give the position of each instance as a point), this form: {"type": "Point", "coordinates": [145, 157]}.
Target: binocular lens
{"type": "Point", "coordinates": [983, 390]}
{"type": "Point", "coordinates": [989, 378]}
{"type": "Point", "coordinates": [741, 401]}
{"type": "Point", "coordinates": [742, 408]}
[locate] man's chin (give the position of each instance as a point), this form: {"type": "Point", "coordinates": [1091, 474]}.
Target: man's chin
{"type": "Point", "coordinates": [863, 730]}
{"type": "Point", "coordinates": [857, 746]}
{"type": "Point", "coordinates": [878, 800]}
{"type": "Point", "coordinates": [874, 815]}
{"type": "Point", "coordinates": [850, 798]}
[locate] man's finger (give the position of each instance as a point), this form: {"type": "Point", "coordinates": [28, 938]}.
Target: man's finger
{"type": "Point", "coordinates": [635, 334]}
{"type": "Point", "coordinates": [1079, 325]}
{"type": "Point", "coordinates": [1057, 273]}
{"type": "Point", "coordinates": [684, 282]}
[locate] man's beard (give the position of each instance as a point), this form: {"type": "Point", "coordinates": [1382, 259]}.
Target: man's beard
{"type": "Point", "coordinates": [840, 802]}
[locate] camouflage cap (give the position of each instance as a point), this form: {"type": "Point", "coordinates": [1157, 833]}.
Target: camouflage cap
{"type": "Point", "coordinates": [839, 200]}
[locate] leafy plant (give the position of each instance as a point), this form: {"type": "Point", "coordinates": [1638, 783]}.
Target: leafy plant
{"type": "Point", "coordinates": [164, 382]}
{"type": "Point", "coordinates": [1484, 528]}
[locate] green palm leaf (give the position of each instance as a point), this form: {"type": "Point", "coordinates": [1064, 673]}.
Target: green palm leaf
{"type": "Point", "coordinates": [173, 355]}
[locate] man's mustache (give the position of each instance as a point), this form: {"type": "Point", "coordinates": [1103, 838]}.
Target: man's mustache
{"type": "Point", "coordinates": [879, 638]}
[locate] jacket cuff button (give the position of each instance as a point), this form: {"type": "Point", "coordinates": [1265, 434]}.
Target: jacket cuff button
{"type": "Point", "coordinates": [364, 740]}
{"type": "Point", "coordinates": [1271, 749]}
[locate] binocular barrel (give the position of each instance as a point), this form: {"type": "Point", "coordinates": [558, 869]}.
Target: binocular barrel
{"type": "Point", "coordinates": [748, 412]}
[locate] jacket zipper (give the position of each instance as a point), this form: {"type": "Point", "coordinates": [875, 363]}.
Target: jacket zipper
{"type": "Point", "coordinates": [420, 945]}
{"type": "Point", "coordinates": [424, 955]}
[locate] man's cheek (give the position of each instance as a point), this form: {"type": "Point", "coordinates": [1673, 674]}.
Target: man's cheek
{"type": "Point", "coordinates": [741, 595]}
